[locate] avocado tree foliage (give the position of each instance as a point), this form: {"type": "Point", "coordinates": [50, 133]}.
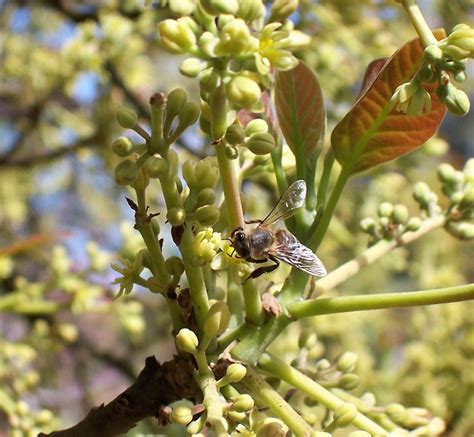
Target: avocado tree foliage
{"type": "Point", "coordinates": [262, 111]}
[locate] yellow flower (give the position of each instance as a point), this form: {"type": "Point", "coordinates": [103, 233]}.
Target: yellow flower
{"type": "Point", "coordinates": [206, 244]}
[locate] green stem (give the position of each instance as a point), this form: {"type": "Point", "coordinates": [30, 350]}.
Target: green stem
{"type": "Point", "coordinates": [375, 252]}
{"type": "Point", "coordinates": [317, 237]}
{"type": "Point", "coordinates": [325, 176]}
{"type": "Point", "coordinates": [230, 335]}
{"type": "Point", "coordinates": [280, 369]}
{"type": "Point", "coordinates": [157, 103]}
{"type": "Point", "coordinates": [253, 303]}
{"type": "Point", "coordinates": [234, 296]}
{"type": "Point", "coordinates": [419, 22]}
{"type": "Point", "coordinates": [278, 167]}
{"type": "Point", "coordinates": [266, 396]}
{"type": "Point", "coordinates": [316, 307]}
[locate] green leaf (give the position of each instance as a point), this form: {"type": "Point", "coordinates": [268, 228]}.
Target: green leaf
{"type": "Point", "coordinates": [372, 132]}
{"type": "Point", "coordinates": [300, 109]}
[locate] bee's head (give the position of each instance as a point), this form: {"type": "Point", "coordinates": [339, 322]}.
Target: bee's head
{"type": "Point", "coordinates": [240, 242]}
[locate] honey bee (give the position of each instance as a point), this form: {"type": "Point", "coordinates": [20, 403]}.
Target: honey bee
{"type": "Point", "coordinates": [259, 244]}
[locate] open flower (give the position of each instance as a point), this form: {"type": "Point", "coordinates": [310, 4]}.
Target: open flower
{"type": "Point", "coordinates": [129, 270]}
{"type": "Point", "coordinates": [227, 257]}
{"type": "Point", "coordinates": [206, 244]}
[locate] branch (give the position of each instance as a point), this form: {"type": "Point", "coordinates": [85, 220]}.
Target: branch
{"type": "Point", "coordinates": [156, 386]}
{"type": "Point", "coordinates": [316, 307]}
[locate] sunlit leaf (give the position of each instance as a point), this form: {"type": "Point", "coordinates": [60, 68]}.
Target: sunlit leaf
{"type": "Point", "coordinates": [300, 109]}
{"type": "Point", "coordinates": [370, 133]}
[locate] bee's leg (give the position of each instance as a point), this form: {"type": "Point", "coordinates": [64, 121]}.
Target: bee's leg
{"type": "Point", "coordinates": [262, 270]}
{"type": "Point", "coordinates": [249, 222]}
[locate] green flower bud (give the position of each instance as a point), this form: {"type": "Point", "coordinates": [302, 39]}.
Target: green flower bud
{"type": "Point", "coordinates": [207, 215]}
{"type": "Point", "coordinates": [207, 196]}
{"type": "Point", "coordinates": [271, 427]}
{"type": "Point", "coordinates": [208, 43]}
{"type": "Point", "coordinates": [446, 173]}
{"type": "Point", "coordinates": [155, 167]}
{"type": "Point", "coordinates": [236, 416]}
{"type": "Point", "coordinates": [414, 223]}
{"type": "Point", "coordinates": [463, 40]}
{"type": "Point", "coordinates": [206, 174]}
{"type": "Point", "coordinates": [205, 125]}
{"type": "Point", "coordinates": [368, 225]}
{"type": "Point", "coordinates": [235, 39]}
{"type": "Point", "coordinates": [189, 114]}
{"type": "Point", "coordinates": [396, 412]}
{"type": "Point", "coordinates": [235, 134]}
{"type": "Point", "coordinates": [242, 403]}
{"type": "Point", "coordinates": [307, 340]}
{"type": "Point", "coordinates": [256, 126]}
{"type": "Point", "coordinates": [142, 180]}
{"type": "Point", "coordinates": [261, 143]}
{"type": "Point", "coordinates": [457, 102]}
{"type": "Point", "coordinates": [462, 230]}
{"type": "Point", "coordinates": [455, 197]}
{"type": "Point", "coordinates": [176, 35]}
{"type": "Point", "coordinates": [217, 319]}
{"type": "Point", "coordinates": [385, 209]}
{"type": "Point", "coordinates": [182, 7]}
{"type": "Point", "coordinates": [174, 265]}
{"type": "Point", "coordinates": [122, 146]}
{"type": "Point", "coordinates": [421, 193]}
{"type": "Point", "coordinates": [384, 222]}
{"type": "Point", "coordinates": [44, 417]}
{"type": "Point", "coordinates": [209, 80]}
{"type": "Point", "coordinates": [349, 381]}
{"type": "Point", "coordinates": [196, 426]}
{"type": "Point", "coordinates": [235, 372]}
{"type": "Point", "coordinates": [175, 102]}
{"type": "Point", "coordinates": [243, 92]}
{"type": "Point", "coordinates": [460, 76]}
{"type": "Point", "coordinates": [433, 53]}
{"type": "Point", "coordinates": [282, 9]}
{"type": "Point", "coordinates": [467, 200]}
{"type": "Point", "coordinates": [216, 7]}
{"type": "Point", "coordinates": [181, 415]}
{"type": "Point", "coordinates": [231, 152]}
{"type": "Point", "coordinates": [189, 173]}
{"type": "Point", "coordinates": [347, 362]}
{"type": "Point", "coordinates": [345, 414]}
{"type": "Point", "coordinates": [126, 172]}
{"type": "Point", "coordinates": [250, 10]}
{"type": "Point", "coordinates": [456, 53]}
{"type": "Point", "coordinates": [400, 214]}
{"type": "Point", "coordinates": [127, 118]}
{"type": "Point", "coordinates": [187, 341]}
{"type": "Point", "coordinates": [176, 216]}
{"type": "Point", "coordinates": [191, 67]}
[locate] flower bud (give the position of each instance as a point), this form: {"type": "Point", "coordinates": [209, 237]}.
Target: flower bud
{"type": "Point", "coordinates": [174, 265]}
{"type": "Point", "coordinates": [384, 222]}
{"type": "Point", "coordinates": [400, 214]}
{"type": "Point", "coordinates": [385, 209]}
{"type": "Point", "coordinates": [271, 427]}
{"type": "Point", "coordinates": [307, 340]}
{"type": "Point", "coordinates": [206, 174]}
{"type": "Point", "coordinates": [236, 416]}
{"type": "Point", "coordinates": [191, 67]}
{"type": "Point", "coordinates": [446, 173]}
{"type": "Point", "coordinates": [155, 167]}
{"type": "Point", "coordinates": [250, 10]}
{"type": "Point", "coordinates": [231, 152]}
{"type": "Point", "coordinates": [127, 118]}
{"type": "Point", "coordinates": [243, 91]}
{"type": "Point", "coordinates": [142, 180]}
{"type": "Point", "coordinates": [181, 415]}
{"type": "Point", "coordinates": [421, 193]}
{"type": "Point", "coordinates": [175, 102]}
{"type": "Point", "coordinates": [396, 412]}
{"type": "Point", "coordinates": [433, 53]}
{"type": "Point", "coordinates": [207, 215]}
{"type": "Point", "coordinates": [216, 7]}
{"type": "Point", "coordinates": [414, 223]}
{"type": "Point", "coordinates": [368, 225]}
{"type": "Point", "coordinates": [349, 381]}
{"type": "Point", "coordinates": [347, 362]}
{"type": "Point", "coordinates": [122, 146]}
{"type": "Point", "coordinates": [189, 114]}
{"type": "Point", "coordinates": [467, 200]}
{"type": "Point", "coordinates": [235, 134]}
{"type": "Point", "coordinates": [462, 230]}
{"type": "Point", "coordinates": [207, 196]}
{"type": "Point", "coordinates": [235, 39]}
{"type": "Point", "coordinates": [282, 9]}
{"type": "Point", "coordinates": [176, 35]}
{"type": "Point", "coordinates": [460, 76]}
{"type": "Point", "coordinates": [256, 126]}
{"type": "Point", "coordinates": [261, 143]}
{"type": "Point", "coordinates": [217, 319]}
{"type": "Point", "coordinates": [457, 102]}
{"type": "Point", "coordinates": [345, 414]}
{"type": "Point", "coordinates": [187, 341]}
{"type": "Point", "coordinates": [208, 43]}
{"type": "Point", "coordinates": [176, 216]}
{"type": "Point", "coordinates": [182, 7]}
{"type": "Point", "coordinates": [126, 172]}
{"type": "Point", "coordinates": [196, 426]}
{"type": "Point", "coordinates": [235, 372]}
{"type": "Point", "coordinates": [461, 39]}
{"type": "Point", "coordinates": [189, 173]}
{"type": "Point", "coordinates": [209, 79]}
{"type": "Point", "coordinates": [242, 403]}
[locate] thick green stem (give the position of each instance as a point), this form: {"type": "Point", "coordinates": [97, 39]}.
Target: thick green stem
{"type": "Point", "coordinates": [419, 22]}
{"type": "Point", "coordinates": [253, 303]}
{"type": "Point", "coordinates": [316, 307]}
{"type": "Point", "coordinates": [374, 253]}
{"type": "Point", "coordinates": [325, 176]}
{"type": "Point", "coordinates": [234, 297]}
{"type": "Point", "coordinates": [157, 104]}
{"type": "Point", "coordinates": [266, 396]}
{"type": "Point", "coordinates": [317, 237]}
{"type": "Point", "coordinates": [280, 369]}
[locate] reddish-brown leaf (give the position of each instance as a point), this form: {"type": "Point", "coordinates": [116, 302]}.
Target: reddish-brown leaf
{"type": "Point", "coordinates": [370, 134]}
{"type": "Point", "coordinates": [300, 109]}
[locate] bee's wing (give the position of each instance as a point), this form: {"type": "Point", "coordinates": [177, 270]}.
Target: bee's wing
{"type": "Point", "coordinates": [292, 199]}
{"type": "Point", "coordinates": [291, 251]}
